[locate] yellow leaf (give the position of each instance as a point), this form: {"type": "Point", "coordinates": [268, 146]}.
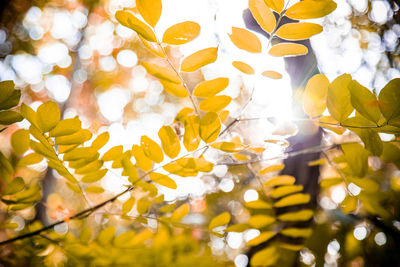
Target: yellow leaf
{"type": "Point", "coordinates": [28, 113]}
{"type": "Point", "coordinates": [273, 168]}
{"type": "Point", "coordinates": [20, 141]}
{"type": "Point", "coordinates": [241, 157]}
{"type": "Point", "coordinates": [276, 5]}
{"type": "Point", "coordinates": [316, 162]}
{"type": "Point", "coordinates": [285, 190]}
{"type": "Point", "coordinates": [94, 176]}
{"type": "Point", "coordinates": [130, 170]}
{"type": "Point", "coordinates": [210, 126]}
{"type": "Point", "coordinates": [180, 212]}
{"type": "Point", "coordinates": [291, 247]}
{"type": "Point", "coordinates": [191, 137]}
{"type": "Point", "coordinates": [328, 182]}
{"type": "Point", "coordinates": [94, 189]}
{"type": "Point", "coordinates": [175, 89]}
{"type": "Point", "coordinates": [30, 159]}
{"type": "Point", "coordinates": [127, 19]}
{"type": "Point", "coordinates": [199, 59]}
{"type": "Point", "coordinates": [76, 138]}
{"type": "Point", "coordinates": [272, 74]}
{"type": "Point", "coordinates": [259, 221]}
{"type": "Point", "coordinates": [169, 141]}
{"type": "Point", "coordinates": [80, 153]}
{"type": "Point", "coordinates": [263, 15]}
{"type": "Point", "coordinates": [263, 237]}
{"type": "Point", "coordinates": [100, 140]}
{"type": "Point", "coordinates": [220, 220]}
{"type": "Point", "coordinates": [66, 127]}
{"type": "Point", "coordinates": [310, 9]}
{"type": "Point", "coordinates": [143, 205]}
{"type": "Point", "coordinates": [243, 67]}
{"type": "Point", "coordinates": [210, 87]}
{"type": "Point", "coordinates": [128, 205]}
{"type": "Point", "coordinates": [315, 93]}
{"type": "Point", "coordinates": [163, 180]}
{"type": "Point", "coordinates": [237, 228]}
{"type": "Point", "coordinates": [142, 161]}
{"type": "Point", "coordinates": [298, 31]}
{"type": "Point", "coordinates": [288, 49]}
{"type": "Point", "coordinates": [161, 72]}
{"type": "Point", "coordinates": [48, 115]}
{"type": "Point", "coordinates": [292, 200]}
{"type": "Point", "coordinates": [229, 147]}
{"type": "Point", "coordinates": [328, 122]}
{"type": "Point", "coordinates": [112, 153]}
{"type": "Point", "coordinates": [245, 40]}
{"type": "Point", "coordinates": [148, 187]}
{"type": "Point", "coordinates": [349, 204]}
{"type": "Point", "coordinates": [215, 103]}
{"type": "Point", "coordinates": [223, 115]}
{"type": "Point", "coordinates": [389, 101]}
{"type": "Point", "coordinates": [181, 33]}
{"type": "Point", "coordinates": [197, 164]}
{"type": "Point", "coordinates": [258, 204]}
{"type": "Point", "coordinates": [153, 47]}
{"type": "Point", "coordinates": [183, 113]}
{"type": "Point", "coordinates": [150, 10]}
{"type": "Point", "coordinates": [281, 180]}
{"type": "Point", "coordinates": [91, 167]}
{"type": "Point", "coordinates": [302, 215]}
{"type": "Point", "coordinates": [339, 99]}
{"type": "Point", "coordinates": [151, 149]}
{"type": "Point", "coordinates": [297, 232]}
{"type": "Point", "coordinates": [265, 257]}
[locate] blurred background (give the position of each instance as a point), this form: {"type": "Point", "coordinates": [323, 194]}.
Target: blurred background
{"type": "Point", "coordinates": [76, 53]}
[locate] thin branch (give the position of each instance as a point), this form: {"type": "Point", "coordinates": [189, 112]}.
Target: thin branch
{"type": "Point", "coordinates": [284, 156]}
{"type": "Point", "coordinates": [180, 77]}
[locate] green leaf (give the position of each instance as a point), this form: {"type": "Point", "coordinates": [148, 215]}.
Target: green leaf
{"type": "Point", "coordinates": [371, 140]}
{"type": "Point", "coordinates": [16, 185]}
{"type": "Point", "coordinates": [391, 154]}
{"type": "Point", "coordinates": [48, 115]}
{"type": "Point", "coordinates": [364, 101]}
{"type": "Point", "coordinates": [20, 141]}
{"type": "Point", "coordinates": [389, 100]}
{"type": "Point", "coordinates": [339, 99]}
{"type": "Point", "coordinates": [66, 127]}
{"type": "Point", "coordinates": [8, 117]}
{"type": "Point", "coordinates": [220, 220]}
{"type": "Point", "coordinates": [6, 90]}
{"type": "Point", "coordinates": [11, 101]}
{"type": "Point", "coordinates": [357, 158]}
